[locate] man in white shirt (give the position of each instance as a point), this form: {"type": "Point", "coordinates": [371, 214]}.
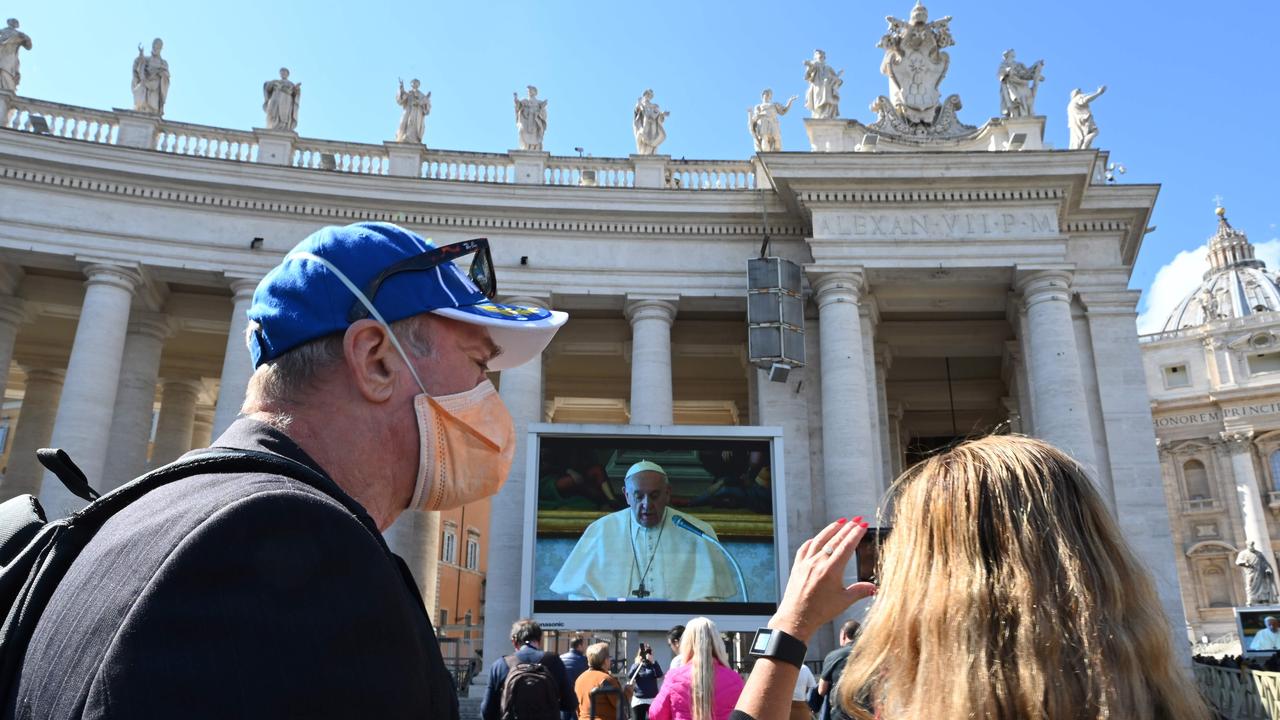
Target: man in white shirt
{"type": "Point", "coordinates": [1267, 638]}
{"type": "Point", "coordinates": [647, 550]}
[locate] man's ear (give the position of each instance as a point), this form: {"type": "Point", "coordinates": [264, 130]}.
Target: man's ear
{"type": "Point", "coordinates": [368, 352]}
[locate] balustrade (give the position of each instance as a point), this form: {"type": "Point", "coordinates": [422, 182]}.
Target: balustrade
{"type": "Point", "coordinates": [590, 172]}
{"type": "Point", "coordinates": [468, 167]}
{"type": "Point", "coordinates": [177, 138]}
{"type": "Point", "coordinates": [207, 142]}
{"type": "Point", "coordinates": [1239, 694]}
{"type": "Point", "coordinates": [710, 175]}
{"type": "Point", "coordinates": [355, 158]}
{"type": "Point", "coordinates": [66, 121]}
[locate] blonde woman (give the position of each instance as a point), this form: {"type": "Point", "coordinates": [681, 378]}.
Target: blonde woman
{"type": "Point", "coordinates": [703, 687]}
{"type": "Point", "coordinates": [1006, 593]}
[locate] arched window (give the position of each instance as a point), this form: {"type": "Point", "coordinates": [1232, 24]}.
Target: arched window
{"type": "Point", "coordinates": [1275, 469]}
{"type": "Point", "coordinates": [1196, 480]}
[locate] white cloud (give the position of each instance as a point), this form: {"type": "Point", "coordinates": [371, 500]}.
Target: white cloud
{"type": "Point", "coordinates": [1172, 283]}
{"type": "Point", "coordinates": [1182, 275]}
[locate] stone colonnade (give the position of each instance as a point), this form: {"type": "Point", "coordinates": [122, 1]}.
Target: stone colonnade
{"type": "Point", "coordinates": [99, 407]}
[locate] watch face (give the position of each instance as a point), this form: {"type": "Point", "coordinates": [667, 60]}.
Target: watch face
{"type": "Point", "coordinates": [762, 642]}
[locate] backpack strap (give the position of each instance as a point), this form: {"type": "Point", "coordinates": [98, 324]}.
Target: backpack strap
{"type": "Point", "coordinates": [56, 461]}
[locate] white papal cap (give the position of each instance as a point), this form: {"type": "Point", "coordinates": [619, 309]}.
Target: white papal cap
{"type": "Point", "coordinates": [645, 466]}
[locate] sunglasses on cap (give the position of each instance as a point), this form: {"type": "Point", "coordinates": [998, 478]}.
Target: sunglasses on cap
{"type": "Point", "coordinates": [481, 272]}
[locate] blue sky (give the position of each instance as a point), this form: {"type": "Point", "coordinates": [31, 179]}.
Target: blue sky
{"type": "Point", "coordinates": [1192, 99]}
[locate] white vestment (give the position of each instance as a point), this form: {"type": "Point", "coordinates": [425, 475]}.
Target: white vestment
{"type": "Point", "coordinates": [1266, 639]}
{"type": "Point", "coordinates": [613, 553]}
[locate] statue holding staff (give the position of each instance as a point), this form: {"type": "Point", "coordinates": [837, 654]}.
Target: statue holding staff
{"type": "Point", "coordinates": [150, 80]}
{"type": "Point", "coordinates": [531, 119]}
{"type": "Point", "coordinates": [417, 106]}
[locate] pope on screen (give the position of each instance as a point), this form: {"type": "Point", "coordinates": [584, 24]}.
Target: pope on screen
{"type": "Point", "coordinates": [643, 552]}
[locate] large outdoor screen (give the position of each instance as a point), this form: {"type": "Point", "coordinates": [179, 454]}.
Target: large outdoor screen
{"type": "Point", "coordinates": [693, 532]}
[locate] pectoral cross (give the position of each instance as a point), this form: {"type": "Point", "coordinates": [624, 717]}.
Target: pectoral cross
{"type": "Point", "coordinates": [640, 592]}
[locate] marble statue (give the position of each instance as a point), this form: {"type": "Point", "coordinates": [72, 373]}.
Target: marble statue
{"type": "Point", "coordinates": [647, 124]}
{"type": "Point", "coordinates": [11, 41]}
{"type": "Point", "coordinates": [823, 96]}
{"type": "Point", "coordinates": [531, 119]}
{"type": "Point", "coordinates": [1080, 119]}
{"type": "Point", "coordinates": [280, 101]}
{"type": "Point", "coordinates": [1259, 578]}
{"type": "Point", "coordinates": [150, 80]}
{"type": "Point", "coordinates": [1018, 86]}
{"type": "Point", "coordinates": [417, 106]}
{"type": "Point", "coordinates": [915, 64]}
{"type": "Point", "coordinates": [763, 122]}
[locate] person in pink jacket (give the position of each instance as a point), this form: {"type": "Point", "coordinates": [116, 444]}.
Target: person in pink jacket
{"type": "Point", "coordinates": [704, 687]}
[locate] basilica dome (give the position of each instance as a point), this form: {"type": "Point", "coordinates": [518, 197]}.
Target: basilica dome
{"type": "Point", "coordinates": [1236, 285]}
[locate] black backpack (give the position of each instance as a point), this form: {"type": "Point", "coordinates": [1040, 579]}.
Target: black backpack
{"type": "Point", "coordinates": [35, 554]}
{"type": "Point", "coordinates": [530, 691]}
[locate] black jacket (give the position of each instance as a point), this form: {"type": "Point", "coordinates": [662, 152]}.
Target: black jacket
{"type": "Point", "coordinates": [237, 596]}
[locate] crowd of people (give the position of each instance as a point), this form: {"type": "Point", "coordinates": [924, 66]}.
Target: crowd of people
{"type": "Point", "coordinates": [1005, 590]}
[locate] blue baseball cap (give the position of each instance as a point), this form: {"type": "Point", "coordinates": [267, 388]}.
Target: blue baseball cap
{"type": "Point", "coordinates": [303, 298]}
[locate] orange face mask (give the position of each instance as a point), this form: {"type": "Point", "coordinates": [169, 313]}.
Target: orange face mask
{"type": "Point", "coordinates": [466, 444]}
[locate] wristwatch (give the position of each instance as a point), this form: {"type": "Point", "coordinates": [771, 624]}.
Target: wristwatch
{"type": "Point", "coordinates": [771, 643]}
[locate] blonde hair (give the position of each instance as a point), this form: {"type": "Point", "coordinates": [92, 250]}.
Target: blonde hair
{"type": "Point", "coordinates": [701, 647]}
{"type": "Point", "coordinates": [597, 655]}
{"type": "Point", "coordinates": [1007, 592]}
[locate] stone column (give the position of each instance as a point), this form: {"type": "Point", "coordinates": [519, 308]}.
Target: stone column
{"type": "Point", "coordinates": [202, 428]}
{"type": "Point", "coordinates": [135, 399]}
{"type": "Point", "coordinates": [651, 398]}
{"type": "Point", "coordinates": [883, 360]}
{"type": "Point", "coordinates": [869, 318]}
{"type": "Point", "coordinates": [1060, 405]}
{"type": "Point", "coordinates": [177, 419]}
{"type": "Point", "coordinates": [35, 425]}
{"type": "Point", "coordinates": [415, 537]}
{"type": "Point", "coordinates": [237, 368]}
{"type": "Point", "coordinates": [89, 394]}
{"type": "Point", "coordinates": [521, 390]}
{"type": "Point", "coordinates": [12, 315]}
{"type": "Point", "coordinates": [850, 457]}
{"type": "Point", "coordinates": [782, 404]}
{"type": "Point", "coordinates": [1240, 446]}
{"type": "Point", "coordinates": [848, 450]}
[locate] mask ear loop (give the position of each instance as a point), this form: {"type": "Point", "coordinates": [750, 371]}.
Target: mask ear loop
{"type": "Point", "coordinates": [395, 342]}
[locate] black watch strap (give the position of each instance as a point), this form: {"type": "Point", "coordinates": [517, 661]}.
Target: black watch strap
{"type": "Point", "coordinates": [771, 643]}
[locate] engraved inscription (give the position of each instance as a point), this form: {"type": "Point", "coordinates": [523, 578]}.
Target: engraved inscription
{"type": "Point", "coordinates": [950, 225]}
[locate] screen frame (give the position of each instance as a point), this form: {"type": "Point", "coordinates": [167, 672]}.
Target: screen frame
{"type": "Point", "coordinates": [649, 621]}
{"type": "Point", "coordinates": [1253, 610]}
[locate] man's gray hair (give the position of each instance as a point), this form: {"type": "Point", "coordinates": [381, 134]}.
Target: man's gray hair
{"type": "Point", "coordinates": [286, 380]}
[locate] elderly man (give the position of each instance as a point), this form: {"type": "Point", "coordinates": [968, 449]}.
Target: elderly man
{"type": "Point", "coordinates": [1267, 638]}
{"type": "Point", "coordinates": [259, 595]}
{"type": "Point", "coordinates": [646, 550]}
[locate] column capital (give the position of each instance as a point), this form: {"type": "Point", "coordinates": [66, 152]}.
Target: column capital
{"type": "Point", "coordinates": [183, 382]}
{"type": "Point", "coordinates": [846, 286]}
{"type": "Point", "coordinates": [1238, 441]}
{"type": "Point", "coordinates": [242, 288]}
{"type": "Point", "coordinates": [157, 326]}
{"type": "Point", "coordinates": [1043, 285]}
{"type": "Point", "coordinates": [121, 276]}
{"type": "Point", "coordinates": [1111, 302]}
{"type": "Point", "coordinates": [536, 300]}
{"type": "Point", "coordinates": [43, 374]}
{"type": "Point", "coordinates": [641, 308]}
